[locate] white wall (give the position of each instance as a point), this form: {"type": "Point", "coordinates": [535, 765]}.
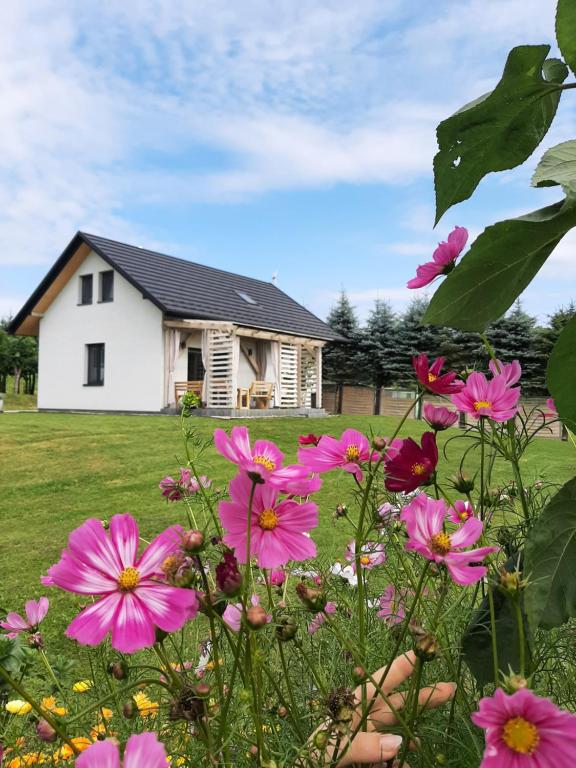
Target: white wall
{"type": "Point", "coordinates": [131, 329]}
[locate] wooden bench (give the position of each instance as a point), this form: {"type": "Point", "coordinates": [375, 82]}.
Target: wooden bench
{"type": "Point", "coordinates": [181, 387]}
{"type": "Point", "coordinates": [262, 392]}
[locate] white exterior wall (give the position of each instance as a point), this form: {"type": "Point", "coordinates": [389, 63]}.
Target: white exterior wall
{"type": "Point", "coordinates": [130, 327]}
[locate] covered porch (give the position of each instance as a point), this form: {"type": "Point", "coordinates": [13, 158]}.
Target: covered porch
{"type": "Point", "coordinates": [241, 372]}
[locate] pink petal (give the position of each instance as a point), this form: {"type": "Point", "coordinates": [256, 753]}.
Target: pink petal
{"type": "Point", "coordinates": [268, 450]}
{"type": "Point", "coordinates": [297, 517]}
{"type": "Point", "coordinates": [92, 625]}
{"type": "Point", "coordinates": [457, 239]}
{"type": "Point", "coordinates": [14, 622]}
{"type": "Point", "coordinates": [72, 574]}
{"type": "Point", "coordinates": [133, 627]}
{"type": "Point", "coordinates": [124, 537]}
{"type": "Point", "coordinates": [143, 750]}
{"type": "Point", "coordinates": [168, 607]}
{"type": "Point", "coordinates": [150, 564]}
{"type": "Point", "coordinates": [233, 616]}
{"type": "Point", "coordinates": [36, 610]}
{"type": "Point", "coordinates": [90, 545]}
{"type": "Point", "coordinates": [102, 754]}
{"type": "Point", "coordinates": [468, 533]}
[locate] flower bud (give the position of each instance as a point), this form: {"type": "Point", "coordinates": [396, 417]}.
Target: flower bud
{"type": "Point", "coordinates": [228, 576]}
{"type": "Point", "coordinates": [193, 541]}
{"type": "Point", "coordinates": [256, 617]}
{"type": "Point", "coordinates": [513, 683]}
{"type": "Point", "coordinates": [129, 710]}
{"type": "Point", "coordinates": [313, 599]}
{"type": "Point", "coordinates": [510, 582]}
{"type": "Point", "coordinates": [282, 712]}
{"type": "Point", "coordinates": [379, 443]}
{"type": "Point", "coordinates": [202, 690]}
{"type": "Point", "coordinates": [286, 629]}
{"type": "Point", "coordinates": [245, 696]}
{"type": "Point", "coordinates": [341, 510]}
{"type": "Point", "coordinates": [321, 740]}
{"type": "Point", "coordinates": [462, 483]}
{"type": "Point", "coordinates": [45, 732]}
{"type": "Point", "coordinates": [425, 643]}
{"type": "Point", "coordinates": [359, 675]}
{"type": "Point", "coordinates": [36, 641]}
{"type": "Point", "coordinates": [118, 669]}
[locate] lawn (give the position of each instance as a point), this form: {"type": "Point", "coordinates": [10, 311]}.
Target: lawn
{"type": "Point", "coordinates": [58, 469]}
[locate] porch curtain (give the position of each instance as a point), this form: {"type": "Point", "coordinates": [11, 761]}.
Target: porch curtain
{"type": "Point", "coordinates": [273, 372]}
{"type": "Point", "coordinates": [204, 352]}
{"type": "Point", "coordinates": [173, 349]}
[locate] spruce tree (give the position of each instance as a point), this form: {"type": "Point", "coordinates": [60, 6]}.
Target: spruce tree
{"type": "Point", "coordinates": [378, 359]}
{"type": "Point", "coordinates": [340, 358]}
{"type": "Point", "coordinates": [413, 338]}
{"type": "Point", "coordinates": [514, 338]}
{"type": "Point", "coordinates": [546, 337]}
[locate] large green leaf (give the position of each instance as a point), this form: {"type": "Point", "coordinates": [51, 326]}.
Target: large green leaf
{"type": "Point", "coordinates": [500, 264]}
{"type": "Point", "coordinates": [558, 166]}
{"type": "Point", "coordinates": [562, 374]}
{"type": "Point", "coordinates": [499, 131]}
{"type": "Point", "coordinates": [550, 558]}
{"type": "Point", "coordinates": [477, 640]}
{"type": "Point", "coordinates": [566, 31]}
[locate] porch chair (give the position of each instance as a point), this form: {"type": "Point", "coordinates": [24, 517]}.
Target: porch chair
{"type": "Point", "coordinates": [262, 392]}
{"type": "Point", "coordinates": [181, 387]}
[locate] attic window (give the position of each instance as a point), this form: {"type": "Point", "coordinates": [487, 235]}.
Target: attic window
{"type": "Point", "coordinates": [246, 297]}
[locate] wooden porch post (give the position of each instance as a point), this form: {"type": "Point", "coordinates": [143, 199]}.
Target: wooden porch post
{"type": "Point", "coordinates": [318, 377]}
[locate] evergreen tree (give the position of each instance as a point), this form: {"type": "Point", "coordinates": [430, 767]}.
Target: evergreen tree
{"type": "Point", "coordinates": [463, 350]}
{"type": "Point", "coordinates": [545, 339]}
{"type": "Point", "coordinates": [378, 358]}
{"type": "Point", "coordinates": [413, 338]}
{"type": "Point", "coordinates": [514, 338]}
{"type": "Point", "coordinates": [341, 358]}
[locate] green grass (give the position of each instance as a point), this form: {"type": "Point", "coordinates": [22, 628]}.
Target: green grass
{"type": "Point", "coordinates": [20, 402]}
{"type": "Point", "coordinates": [58, 469]}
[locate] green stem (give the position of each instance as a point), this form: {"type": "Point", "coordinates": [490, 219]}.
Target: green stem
{"type": "Point", "coordinates": [417, 679]}
{"type": "Point", "coordinates": [105, 699]}
{"type": "Point", "coordinates": [493, 635]}
{"type": "Point", "coordinates": [521, 636]}
{"type": "Point", "coordinates": [293, 705]}
{"type": "Point", "coordinates": [51, 673]}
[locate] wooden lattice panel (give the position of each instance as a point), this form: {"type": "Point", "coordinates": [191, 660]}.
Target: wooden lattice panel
{"type": "Point", "coordinates": [220, 375]}
{"type": "Point", "coordinates": [289, 375]}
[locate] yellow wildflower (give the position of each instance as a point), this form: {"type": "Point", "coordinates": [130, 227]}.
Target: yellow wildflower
{"type": "Point", "coordinates": [49, 703]}
{"type": "Point", "coordinates": [106, 713]}
{"type": "Point", "coordinates": [30, 758]}
{"type": "Point", "coordinates": [146, 708]}
{"type": "Point", "coordinates": [65, 752]}
{"type": "Point", "coordinates": [82, 686]}
{"type": "Point", "coordinates": [18, 707]}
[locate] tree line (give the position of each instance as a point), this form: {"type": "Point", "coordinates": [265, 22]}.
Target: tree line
{"type": "Point", "coordinates": [379, 353]}
{"type": "Point", "coordinates": [19, 359]}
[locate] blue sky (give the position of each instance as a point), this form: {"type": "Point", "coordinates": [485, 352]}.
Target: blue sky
{"type": "Point", "coordinates": [291, 136]}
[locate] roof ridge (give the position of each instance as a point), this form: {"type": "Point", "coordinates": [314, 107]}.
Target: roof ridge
{"type": "Point", "coordinates": [179, 258]}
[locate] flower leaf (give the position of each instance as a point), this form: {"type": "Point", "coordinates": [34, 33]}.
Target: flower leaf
{"type": "Point", "coordinates": [500, 264]}
{"type": "Point", "coordinates": [550, 557]}
{"type": "Point", "coordinates": [557, 166]}
{"type": "Point", "coordinates": [561, 374]}
{"type": "Point", "coordinates": [566, 31]}
{"type": "Point", "coordinates": [499, 131]}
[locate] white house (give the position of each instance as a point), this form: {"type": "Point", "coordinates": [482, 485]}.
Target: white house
{"type": "Point", "coordinates": [121, 328]}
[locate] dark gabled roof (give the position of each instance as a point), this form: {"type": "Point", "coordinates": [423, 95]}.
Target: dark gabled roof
{"type": "Point", "coordinates": [185, 289]}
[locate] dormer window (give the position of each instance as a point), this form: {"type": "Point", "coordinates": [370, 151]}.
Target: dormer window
{"type": "Point", "coordinates": [245, 296]}
{"type": "Point", "coordinates": [107, 286]}
{"type": "Point", "coordinates": [86, 289]}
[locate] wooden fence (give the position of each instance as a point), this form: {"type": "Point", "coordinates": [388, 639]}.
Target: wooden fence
{"type": "Point", "coordinates": [371, 401]}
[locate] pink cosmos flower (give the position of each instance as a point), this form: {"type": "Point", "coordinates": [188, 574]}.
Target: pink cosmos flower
{"type": "Point", "coordinates": [525, 731]}
{"type": "Point", "coordinates": [264, 459]}
{"type": "Point", "coordinates": [277, 527]}
{"type": "Point", "coordinates": [493, 399]}
{"type": "Point", "coordinates": [143, 750]}
{"type": "Point", "coordinates": [411, 465]}
{"type": "Point", "coordinates": [392, 605]}
{"type": "Point", "coordinates": [388, 513]}
{"type": "Point", "coordinates": [320, 618]}
{"type": "Point", "coordinates": [277, 577]}
{"type": "Point", "coordinates": [134, 599]}
{"type": "Point", "coordinates": [439, 417]}
{"type": "Point", "coordinates": [429, 376]}
{"type": "Point", "coordinates": [310, 439]}
{"type": "Point", "coordinates": [347, 453]}
{"type": "Point", "coordinates": [36, 610]}
{"type": "Point", "coordinates": [551, 405]}
{"type": "Point", "coordinates": [461, 511]}
{"type": "Point", "coordinates": [233, 614]}
{"type": "Point", "coordinates": [443, 259]}
{"type": "Point", "coordinates": [511, 371]}
{"type": "Point", "coordinates": [371, 554]}
{"type": "Point", "coordinates": [186, 485]}
{"type": "Point", "coordinates": [425, 519]}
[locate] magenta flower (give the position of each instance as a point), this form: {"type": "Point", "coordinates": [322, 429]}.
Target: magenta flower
{"type": "Point", "coordinates": [310, 439]}
{"type": "Point", "coordinates": [425, 519]}
{"type": "Point", "coordinates": [438, 417]}
{"type": "Point", "coordinates": [134, 599]}
{"type": "Point", "coordinates": [429, 376]}
{"type": "Point", "coordinates": [461, 511]}
{"type": "Point", "coordinates": [371, 554]}
{"type": "Point", "coordinates": [347, 453]}
{"type": "Point", "coordinates": [551, 405]}
{"type": "Point", "coordinates": [388, 513]}
{"type": "Point", "coordinates": [277, 577]}
{"type": "Point", "coordinates": [186, 485]}
{"type": "Point", "coordinates": [443, 259]}
{"type": "Point", "coordinates": [278, 528]}
{"type": "Point", "coordinates": [511, 371]}
{"type": "Point", "coordinates": [392, 605]}
{"type": "Point", "coordinates": [264, 459]}
{"type": "Point", "coordinates": [320, 618]}
{"type": "Point", "coordinates": [412, 465]}
{"type": "Point", "coordinates": [36, 610]}
{"type": "Point", "coordinates": [525, 731]}
{"type": "Point", "coordinates": [493, 399]}
{"type": "Point", "coordinates": [143, 750]}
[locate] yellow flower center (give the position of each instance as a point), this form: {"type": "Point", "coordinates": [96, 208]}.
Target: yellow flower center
{"type": "Point", "coordinates": [352, 453]}
{"type": "Point", "coordinates": [521, 736]}
{"type": "Point", "coordinates": [418, 469]}
{"type": "Point", "coordinates": [479, 404]}
{"type": "Point", "coordinates": [128, 579]}
{"type": "Point", "coordinates": [431, 377]}
{"type": "Point", "coordinates": [440, 543]}
{"type": "Point", "coordinates": [268, 520]}
{"type": "Point", "coordinates": [265, 462]}
{"type": "Point", "coordinates": [464, 515]}
{"type": "Point", "coordinates": [365, 560]}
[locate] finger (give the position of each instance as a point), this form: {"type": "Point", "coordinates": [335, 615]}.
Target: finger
{"type": "Point", "coordinates": [368, 748]}
{"type": "Point", "coordinates": [400, 669]}
{"type": "Point", "coordinates": [431, 697]}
